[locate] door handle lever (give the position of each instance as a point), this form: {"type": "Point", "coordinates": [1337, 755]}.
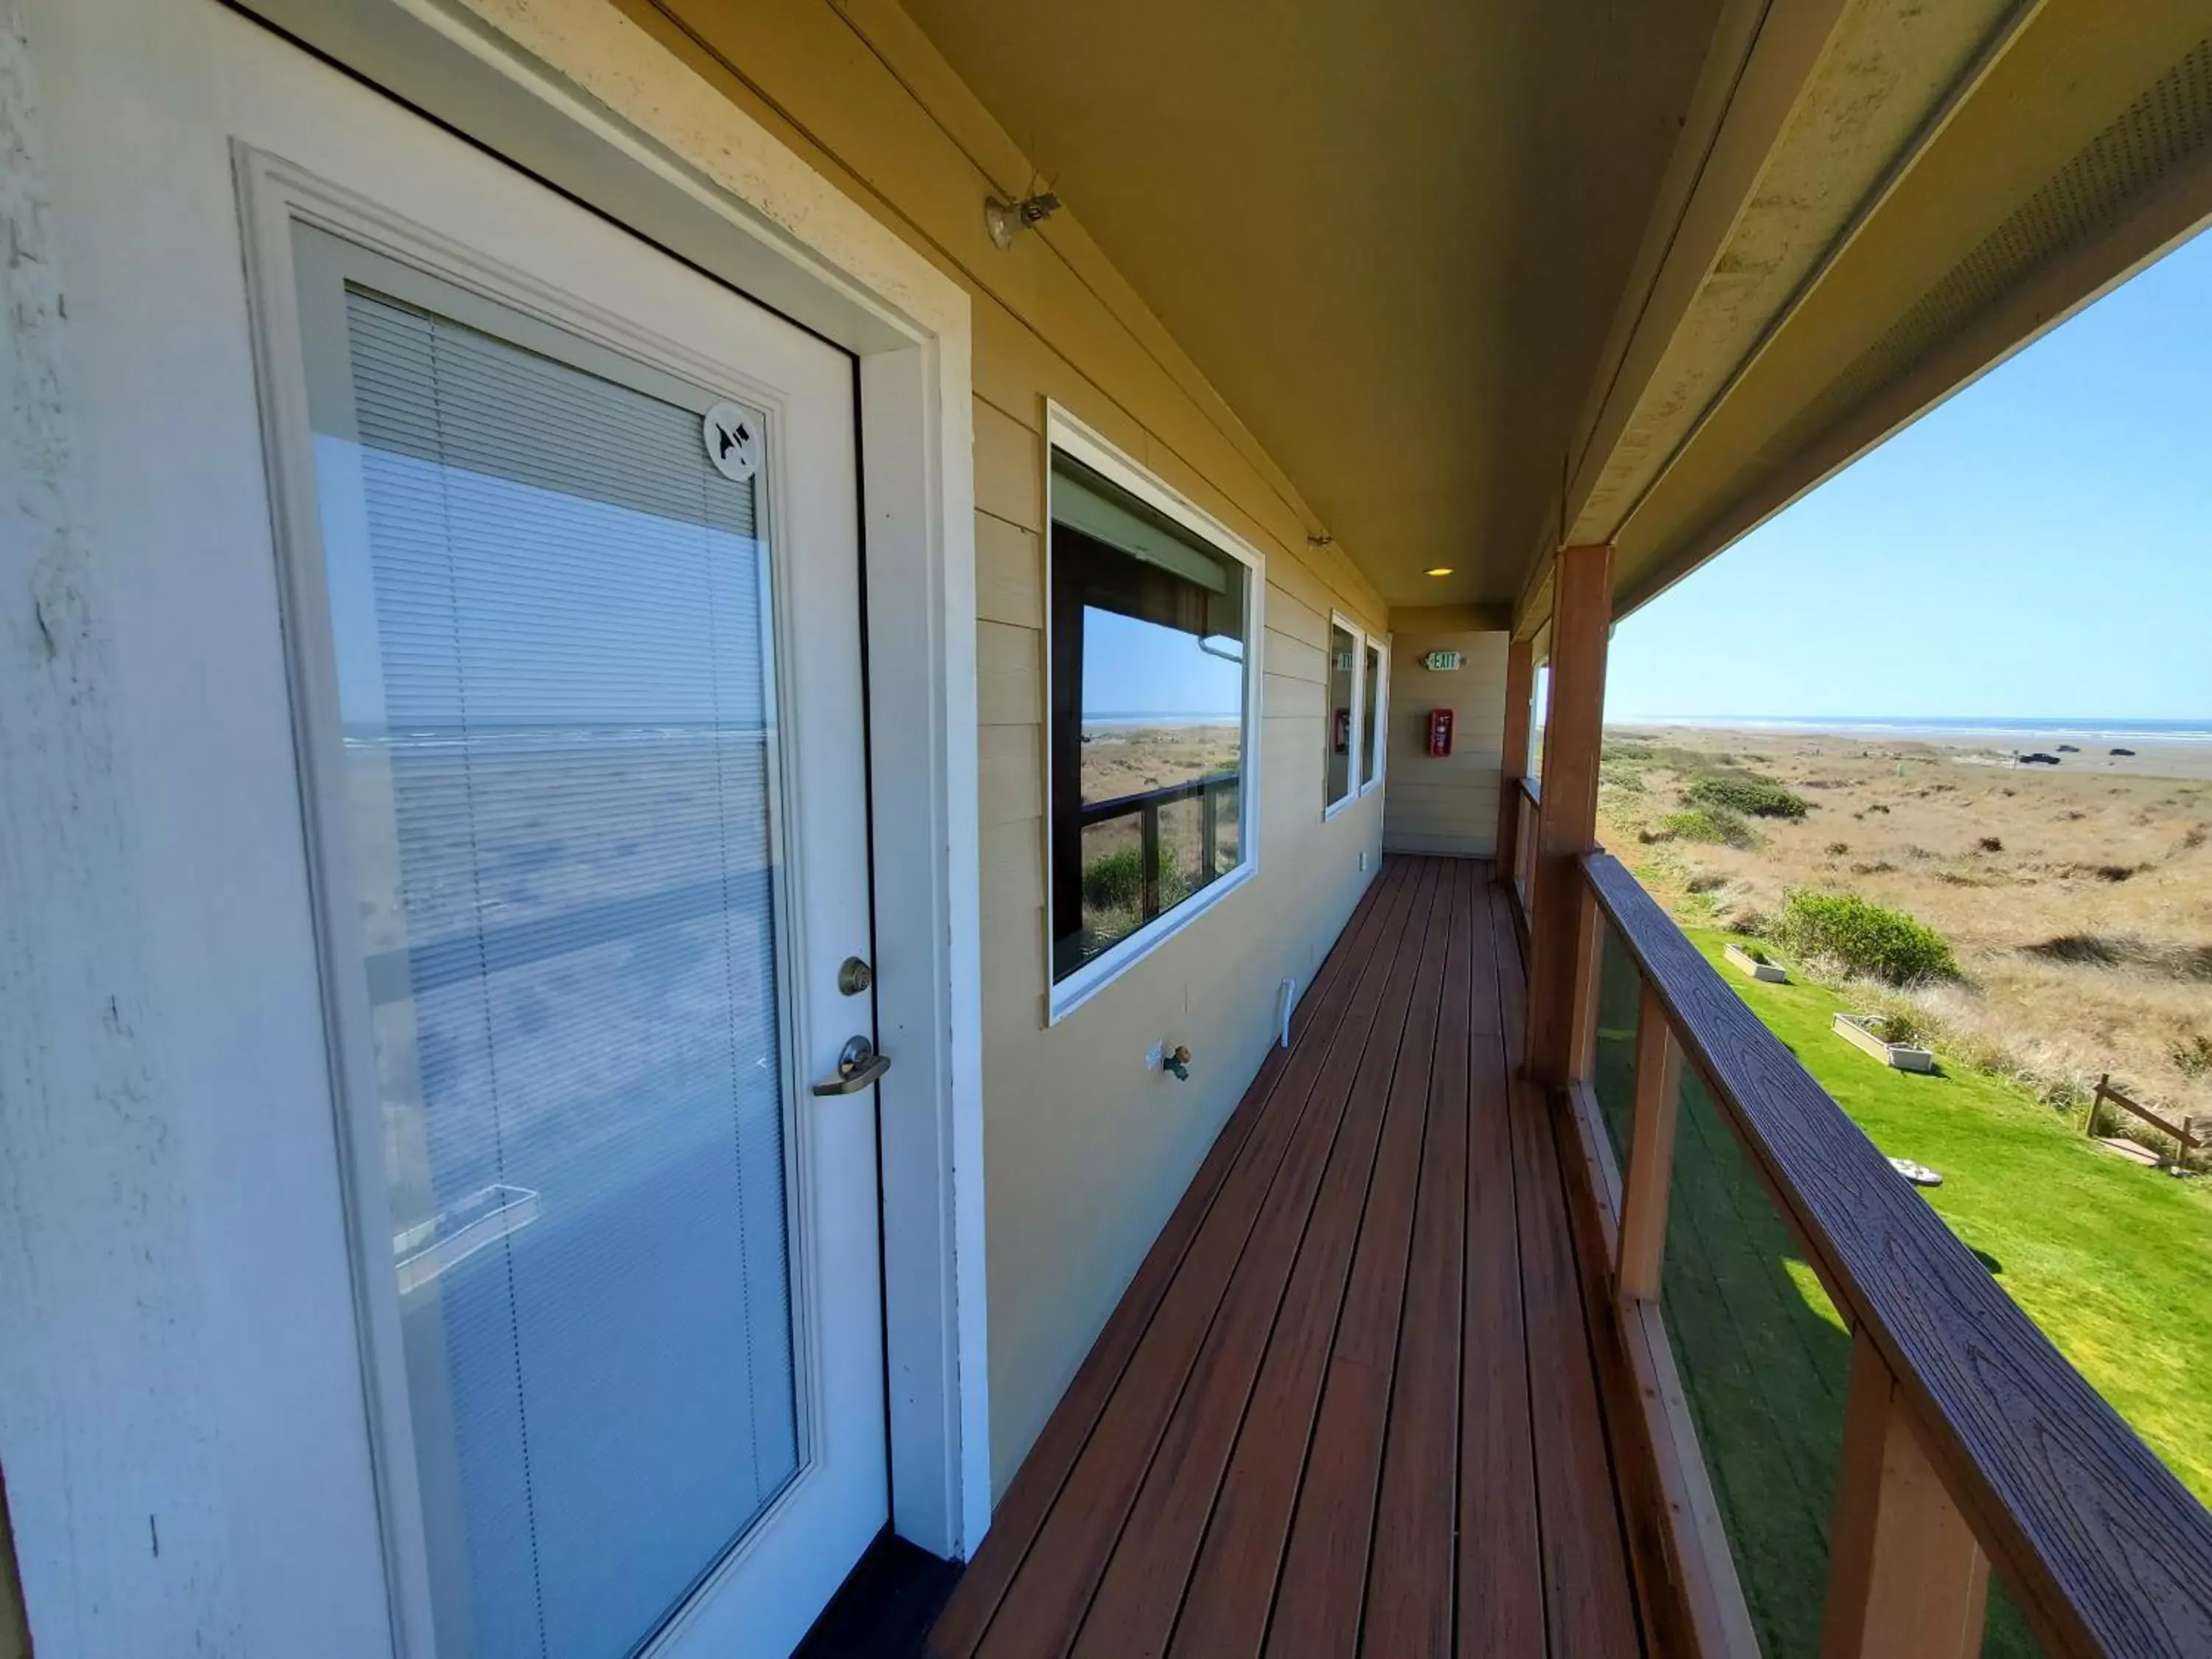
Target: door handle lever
{"type": "Point", "coordinates": [858, 1066]}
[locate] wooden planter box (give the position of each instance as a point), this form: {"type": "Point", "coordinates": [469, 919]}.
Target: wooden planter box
{"type": "Point", "coordinates": [1771, 972]}
{"type": "Point", "coordinates": [1859, 1030]}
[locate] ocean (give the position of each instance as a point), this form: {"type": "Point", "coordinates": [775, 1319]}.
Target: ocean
{"type": "Point", "coordinates": [1950, 728]}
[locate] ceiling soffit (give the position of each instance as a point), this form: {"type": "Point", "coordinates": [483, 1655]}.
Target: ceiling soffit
{"type": "Point", "coordinates": [1886, 74]}
{"type": "Point", "coordinates": [1393, 235]}
{"type": "Point", "coordinates": [2046, 162]}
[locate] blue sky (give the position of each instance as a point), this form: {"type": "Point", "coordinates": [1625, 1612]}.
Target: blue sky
{"type": "Point", "coordinates": [2041, 546]}
{"type": "Point", "coordinates": [1132, 668]}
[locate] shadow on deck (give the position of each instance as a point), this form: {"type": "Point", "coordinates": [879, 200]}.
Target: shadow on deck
{"type": "Point", "coordinates": [1348, 1404]}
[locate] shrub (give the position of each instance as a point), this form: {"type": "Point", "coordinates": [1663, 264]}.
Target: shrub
{"type": "Point", "coordinates": [1116, 880]}
{"type": "Point", "coordinates": [1837, 849]}
{"type": "Point", "coordinates": [1862, 937]}
{"type": "Point", "coordinates": [1904, 1025]}
{"type": "Point", "coordinates": [1737, 792]}
{"type": "Point", "coordinates": [1113, 881]}
{"type": "Point", "coordinates": [1721, 828]}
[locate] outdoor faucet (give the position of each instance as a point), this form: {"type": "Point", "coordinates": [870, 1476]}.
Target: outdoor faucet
{"type": "Point", "coordinates": [1178, 1061]}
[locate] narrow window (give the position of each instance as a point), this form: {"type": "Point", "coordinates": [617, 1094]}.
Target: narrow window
{"type": "Point", "coordinates": [1341, 737]}
{"type": "Point", "coordinates": [1370, 768]}
{"type": "Point", "coordinates": [1539, 704]}
{"type": "Point", "coordinates": [1151, 623]}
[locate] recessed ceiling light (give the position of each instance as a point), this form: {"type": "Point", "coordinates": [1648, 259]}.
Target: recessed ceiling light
{"type": "Point", "coordinates": [1437, 570]}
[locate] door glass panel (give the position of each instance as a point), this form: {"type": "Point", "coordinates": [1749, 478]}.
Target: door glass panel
{"type": "Point", "coordinates": [552, 630]}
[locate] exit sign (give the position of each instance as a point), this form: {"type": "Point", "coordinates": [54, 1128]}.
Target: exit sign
{"type": "Point", "coordinates": [1441, 661]}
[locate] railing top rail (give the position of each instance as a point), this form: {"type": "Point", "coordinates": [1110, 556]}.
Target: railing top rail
{"type": "Point", "coordinates": [1531, 786]}
{"type": "Point", "coordinates": [1121, 805]}
{"type": "Point", "coordinates": [2105, 1549]}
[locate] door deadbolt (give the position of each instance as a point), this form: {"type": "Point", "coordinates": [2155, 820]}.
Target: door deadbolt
{"type": "Point", "coordinates": [854, 976]}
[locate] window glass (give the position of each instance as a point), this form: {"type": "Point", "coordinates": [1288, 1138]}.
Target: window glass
{"type": "Point", "coordinates": [1337, 737]}
{"type": "Point", "coordinates": [553, 683]}
{"type": "Point", "coordinates": [1539, 703]}
{"type": "Point", "coordinates": [1370, 748]}
{"type": "Point", "coordinates": [1149, 630]}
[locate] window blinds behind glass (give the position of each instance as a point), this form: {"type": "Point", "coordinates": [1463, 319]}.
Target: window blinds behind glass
{"type": "Point", "coordinates": [558, 745]}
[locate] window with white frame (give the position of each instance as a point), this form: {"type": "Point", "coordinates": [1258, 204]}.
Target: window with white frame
{"type": "Point", "coordinates": [1153, 615]}
{"type": "Point", "coordinates": [1373, 733]}
{"type": "Point", "coordinates": [1539, 707]}
{"type": "Point", "coordinates": [1342, 732]}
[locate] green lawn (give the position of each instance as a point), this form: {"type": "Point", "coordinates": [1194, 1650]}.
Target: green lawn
{"type": "Point", "coordinates": [2113, 1260]}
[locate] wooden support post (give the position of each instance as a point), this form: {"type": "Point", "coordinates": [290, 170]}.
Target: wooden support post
{"type": "Point", "coordinates": [1650, 1152]}
{"type": "Point", "coordinates": [1566, 816]}
{"type": "Point", "coordinates": [1513, 766]}
{"type": "Point", "coordinates": [1905, 1578]}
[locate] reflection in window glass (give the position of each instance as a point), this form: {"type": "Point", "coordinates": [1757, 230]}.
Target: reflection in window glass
{"type": "Point", "coordinates": [1370, 747]}
{"type": "Point", "coordinates": [553, 679]}
{"type": "Point", "coordinates": [1343, 661]}
{"type": "Point", "coordinates": [1148, 694]}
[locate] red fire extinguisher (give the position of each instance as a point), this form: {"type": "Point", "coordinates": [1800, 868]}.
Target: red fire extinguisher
{"type": "Point", "coordinates": [1440, 726]}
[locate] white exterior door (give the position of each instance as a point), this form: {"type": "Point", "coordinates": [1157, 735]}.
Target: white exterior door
{"type": "Point", "coordinates": [568, 577]}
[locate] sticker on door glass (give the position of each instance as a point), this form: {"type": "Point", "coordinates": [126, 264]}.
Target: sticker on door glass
{"type": "Point", "coordinates": [733, 441]}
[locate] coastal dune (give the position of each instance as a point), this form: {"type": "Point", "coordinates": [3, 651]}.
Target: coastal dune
{"type": "Point", "coordinates": [2077, 895]}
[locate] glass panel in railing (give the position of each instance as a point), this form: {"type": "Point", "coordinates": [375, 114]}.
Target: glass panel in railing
{"type": "Point", "coordinates": [1764, 1356]}
{"type": "Point", "coordinates": [2005, 1635]}
{"type": "Point", "coordinates": [1183, 850]}
{"type": "Point", "coordinates": [1613, 1071]}
{"type": "Point", "coordinates": [1224, 824]}
{"type": "Point", "coordinates": [1524, 846]}
{"type": "Point", "coordinates": [1114, 883]}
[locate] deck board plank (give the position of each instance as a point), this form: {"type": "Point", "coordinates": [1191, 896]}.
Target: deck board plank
{"type": "Point", "coordinates": [1590, 1605]}
{"type": "Point", "coordinates": [1501, 1601]}
{"type": "Point", "coordinates": [1132, 1614]}
{"type": "Point", "coordinates": [1410, 1577]}
{"type": "Point", "coordinates": [1349, 1403]}
{"type": "Point", "coordinates": [1042, 1608]}
{"type": "Point", "coordinates": [1323, 1588]}
{"type": "Point", "coordinates": [1036, 1485]}
{"type": "Point", "coordinates": [1232, 1585]}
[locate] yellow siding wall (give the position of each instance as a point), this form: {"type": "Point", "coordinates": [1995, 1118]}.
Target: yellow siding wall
{"type": "Point", "coordinates": [1450, 804]}
{"type": "Point", "coordinates": [1085, 1149]}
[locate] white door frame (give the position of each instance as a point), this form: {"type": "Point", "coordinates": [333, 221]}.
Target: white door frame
{"type": "Point", "coordinates": [596, 107]}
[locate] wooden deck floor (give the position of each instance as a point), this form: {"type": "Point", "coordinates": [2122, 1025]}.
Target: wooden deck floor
{"type": "Point", "coordinates": [1348, 1404]}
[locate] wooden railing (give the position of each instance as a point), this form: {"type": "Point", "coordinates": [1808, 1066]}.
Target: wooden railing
{"type": "Point", "coordinates": [1967, 1441]}
{"type": "Point", "coordinates": [1527, 795]}
{"type": "Point", "coordinates": [1144, 807]}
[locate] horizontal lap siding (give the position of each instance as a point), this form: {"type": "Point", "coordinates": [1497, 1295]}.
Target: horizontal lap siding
{"type": "Point", "coordinates": [1448, 804]}
{"type": "Point", "coordinates": [1086, 1151]}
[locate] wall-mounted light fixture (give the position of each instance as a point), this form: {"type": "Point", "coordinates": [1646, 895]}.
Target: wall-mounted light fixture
{"type": "Point", "coordinates": [1008, 220]}
{"type": "Point", "coordinates": [1437, 570]}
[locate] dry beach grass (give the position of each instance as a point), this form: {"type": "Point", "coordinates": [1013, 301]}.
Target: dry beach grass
{"type": "Point", "coordinates": [2077, 897]}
